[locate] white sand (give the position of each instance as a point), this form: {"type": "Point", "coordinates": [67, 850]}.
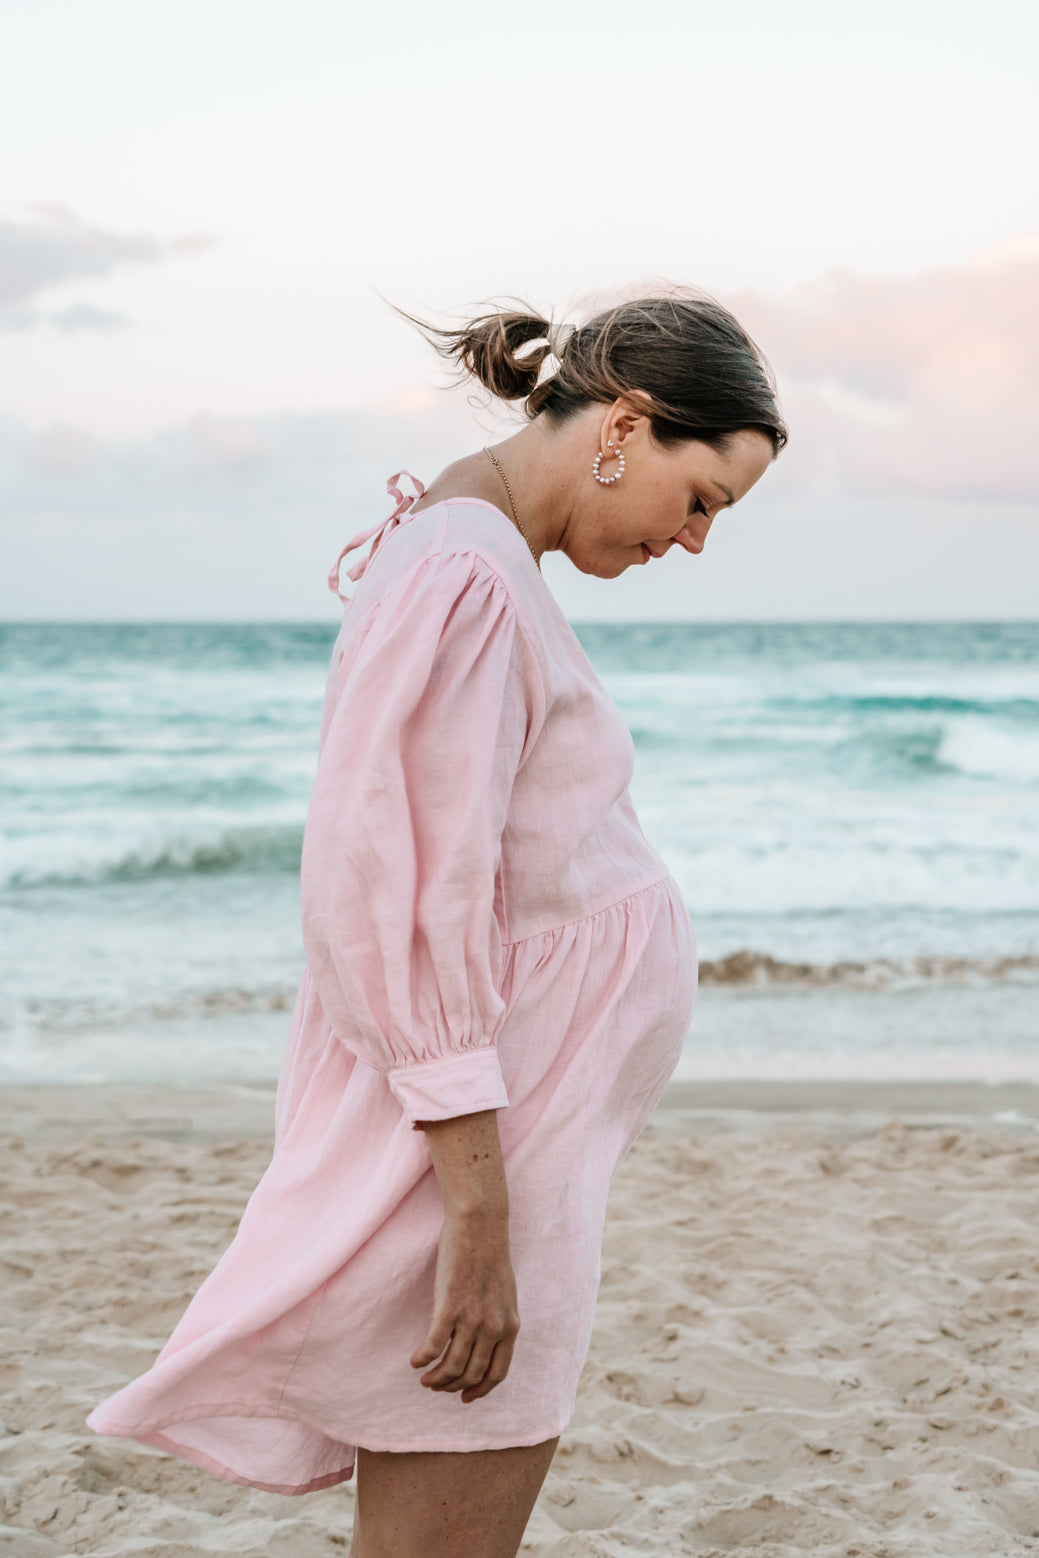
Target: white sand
{"type": "Point", "coordinates": [818, 1333]}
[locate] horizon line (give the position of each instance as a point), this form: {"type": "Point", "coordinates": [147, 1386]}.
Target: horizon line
{"type": "Point", "coordinates": [618, 622]}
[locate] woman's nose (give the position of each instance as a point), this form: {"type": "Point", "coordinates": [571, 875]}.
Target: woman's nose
{"type": "Point", "coordinates": [693, 537]}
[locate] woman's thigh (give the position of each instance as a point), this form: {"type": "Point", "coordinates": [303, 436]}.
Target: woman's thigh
{"type": "Point", "coordinates": [447, 1505]}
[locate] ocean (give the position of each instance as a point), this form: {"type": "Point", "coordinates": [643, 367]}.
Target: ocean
{"type": "Point", "coordinates": [851, 810]}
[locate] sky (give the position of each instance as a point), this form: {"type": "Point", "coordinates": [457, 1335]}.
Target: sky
{"type": "Point", "coordinates": [202, 207]}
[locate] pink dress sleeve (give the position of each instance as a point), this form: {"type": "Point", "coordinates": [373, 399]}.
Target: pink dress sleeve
{"type": "Point", "coordinates": [429, 723]}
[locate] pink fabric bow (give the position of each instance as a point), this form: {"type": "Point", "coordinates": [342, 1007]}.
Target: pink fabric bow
{"type": "Point", "coordinates": [384, 525]}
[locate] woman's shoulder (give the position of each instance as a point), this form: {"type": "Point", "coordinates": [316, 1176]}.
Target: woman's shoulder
{"type": "Point", "coordinates": [457, 536]}
{"type": "Point", "coordinates": [474, 525]}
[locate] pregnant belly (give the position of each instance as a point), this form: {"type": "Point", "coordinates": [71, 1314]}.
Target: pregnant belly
{"type": "Point", "coordinates": [597, 1011]}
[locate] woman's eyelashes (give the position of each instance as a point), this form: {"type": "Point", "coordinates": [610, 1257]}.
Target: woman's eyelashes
{"type": "Point", "coordinates": [698, 508]}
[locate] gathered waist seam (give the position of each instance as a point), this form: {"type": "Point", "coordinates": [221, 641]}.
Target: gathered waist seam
{"type": "Point", "coordinates": [582, 918]}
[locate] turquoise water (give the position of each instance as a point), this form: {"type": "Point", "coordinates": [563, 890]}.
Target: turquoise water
{"type": "Point", "coordinates": [862, 800]}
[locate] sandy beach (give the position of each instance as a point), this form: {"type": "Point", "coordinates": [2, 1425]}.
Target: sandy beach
{"type": "Point", "coordinates": [818, 1328]}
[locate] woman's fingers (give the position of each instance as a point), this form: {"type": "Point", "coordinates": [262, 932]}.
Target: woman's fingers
{"type": "Point", "coordinates": [476, 1367]}
{"type": "Point", "coordinates": [454, 1362]}
{"type": "Point", "coordinates": [496, 1371]}
{"type": "Point", "coordinates": [477, 1359]}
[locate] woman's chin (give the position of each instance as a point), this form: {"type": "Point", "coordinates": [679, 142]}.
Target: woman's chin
{"type": "Point", "coordinates": [603, 567]}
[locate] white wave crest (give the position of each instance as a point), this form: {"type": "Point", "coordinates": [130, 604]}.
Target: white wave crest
{"type": "Point", "coordinates": [975, 747]}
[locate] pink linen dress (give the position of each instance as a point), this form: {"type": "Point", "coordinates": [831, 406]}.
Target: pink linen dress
{"type": "Point", "coordinates": [485, 927]}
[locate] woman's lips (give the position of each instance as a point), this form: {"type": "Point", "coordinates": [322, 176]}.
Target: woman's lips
{"type": "Point", "coordinates": [646, 553]}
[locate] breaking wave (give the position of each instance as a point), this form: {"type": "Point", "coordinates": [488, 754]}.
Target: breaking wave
{"type": "Point", "coordinates": [88, 862]}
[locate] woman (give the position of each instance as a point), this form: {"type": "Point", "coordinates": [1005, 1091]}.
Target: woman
{"type": "Point", "coordinates": [500, 971]}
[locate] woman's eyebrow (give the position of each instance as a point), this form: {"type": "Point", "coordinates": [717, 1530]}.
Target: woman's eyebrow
{"type": "Point", "coordinates": [726, 491]}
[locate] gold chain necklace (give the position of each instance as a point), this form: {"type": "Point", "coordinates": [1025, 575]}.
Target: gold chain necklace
{"type": "Point", "coordinates": [512, 503]}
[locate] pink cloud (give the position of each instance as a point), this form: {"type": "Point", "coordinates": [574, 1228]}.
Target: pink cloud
{"type": "Point", "coordinates": [925, 384]}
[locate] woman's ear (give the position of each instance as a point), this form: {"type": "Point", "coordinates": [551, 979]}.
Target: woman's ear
{"type": "Point", "coordinates": [623, 418]}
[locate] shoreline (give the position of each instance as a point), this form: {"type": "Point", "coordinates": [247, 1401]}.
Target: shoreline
{"type": "Point", "coordinates": [839, 1109]}
{"type": "Point", "coordinates": [844, 1109]}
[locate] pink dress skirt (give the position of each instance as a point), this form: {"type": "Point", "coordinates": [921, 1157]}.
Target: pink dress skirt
{"type": "Point", "coordinates": [485, 927]}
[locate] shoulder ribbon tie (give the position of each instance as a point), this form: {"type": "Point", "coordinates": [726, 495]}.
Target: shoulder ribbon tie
{"type": "Point", "coordinates": [383, 527]}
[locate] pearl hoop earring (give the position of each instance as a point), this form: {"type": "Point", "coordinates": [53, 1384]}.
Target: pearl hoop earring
{"type": "Point", "coordinates": [607, 481]}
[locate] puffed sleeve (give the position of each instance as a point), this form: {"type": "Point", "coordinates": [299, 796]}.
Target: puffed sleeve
{"type": "Point", "coordinates": [431, 716]}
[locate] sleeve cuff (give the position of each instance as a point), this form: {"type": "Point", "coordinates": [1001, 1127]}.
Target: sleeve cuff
{"type": "Point", "coordinates": [457, 1084]}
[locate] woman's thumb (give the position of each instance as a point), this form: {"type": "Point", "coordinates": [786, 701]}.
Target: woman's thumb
{"type": "Point", "coordinates": [437, 1338]}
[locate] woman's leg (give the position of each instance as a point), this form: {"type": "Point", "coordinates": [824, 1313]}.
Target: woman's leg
{"type": "Point", "coordinates": [442, 1504]}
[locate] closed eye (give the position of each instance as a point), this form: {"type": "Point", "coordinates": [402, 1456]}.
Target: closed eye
{"type": "Point", "coordinates": [698, 508]}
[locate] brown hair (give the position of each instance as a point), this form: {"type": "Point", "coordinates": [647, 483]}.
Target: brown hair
{"type": "Point", "coordinates": [687, 360]}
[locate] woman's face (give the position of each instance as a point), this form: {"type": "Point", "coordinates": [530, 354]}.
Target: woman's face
{"type": "Point", "coordinates": [665, 498]}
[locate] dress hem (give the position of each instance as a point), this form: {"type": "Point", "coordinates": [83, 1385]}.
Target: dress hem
{"type": "Point", "coordinates": [154, 1435]}
{"type": "Point", "coordinates": [462, 1446]}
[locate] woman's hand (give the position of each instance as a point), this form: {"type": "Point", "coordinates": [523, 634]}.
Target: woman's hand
{"type": "Point", "coordinates": [475, 1319]}
{"type": "Point", "coordinates": [472, 1331]}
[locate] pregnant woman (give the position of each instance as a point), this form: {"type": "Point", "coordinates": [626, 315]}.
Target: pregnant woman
{"type": "Point", "coordinates": [499, 969]}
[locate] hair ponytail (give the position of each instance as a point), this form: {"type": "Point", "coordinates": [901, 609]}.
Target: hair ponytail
{"type": "Point", "coordinates": [488, 348]}
{"type": "Point", "coordinates": [679, 354]}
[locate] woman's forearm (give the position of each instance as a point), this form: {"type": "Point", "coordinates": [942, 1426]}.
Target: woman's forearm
{"type": "Point", "coordinates": [467, 1158]}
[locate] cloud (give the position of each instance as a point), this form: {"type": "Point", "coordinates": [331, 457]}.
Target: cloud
{"type": "Point", "coordinates": [240, 517]}
{"type": "Point", "coordinates": [276, 472]}
{"type": "Point", "coordinates": [54, 247]}
{"type": "Point", "coordinates": [917, 385]}
{"type": "Point", "coordinates": [58, 451]}
{"type": "Point", "coordinates": [84, 316]}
